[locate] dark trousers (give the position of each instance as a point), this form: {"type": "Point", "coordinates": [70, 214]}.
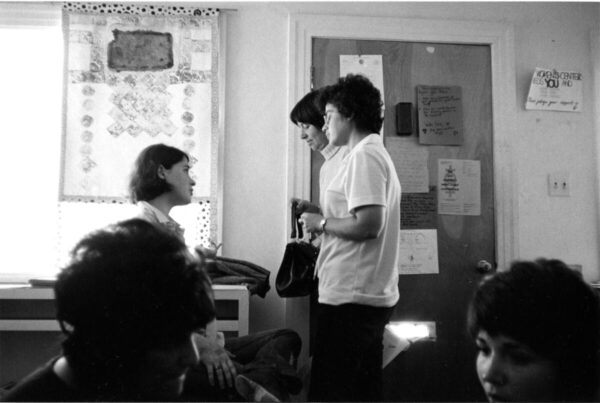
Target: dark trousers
{"type": "Point", "coordinates": [270, 344]}
{"type": "Point", "coordinates": [268, 358]}
{"type": "Point", "coordinates": [347, 358]}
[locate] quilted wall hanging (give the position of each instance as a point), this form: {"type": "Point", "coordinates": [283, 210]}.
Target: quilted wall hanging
{"type": "Point", "coordinates": [137, 75]}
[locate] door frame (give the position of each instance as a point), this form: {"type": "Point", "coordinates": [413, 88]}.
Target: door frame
{"type": "Point", "coordinates": [595, 48]}
{"type": "Point", "coordinates": [500, 37]}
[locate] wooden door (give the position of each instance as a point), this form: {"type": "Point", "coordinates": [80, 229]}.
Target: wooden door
{"type": "Point", "coordinates": [444, 369]}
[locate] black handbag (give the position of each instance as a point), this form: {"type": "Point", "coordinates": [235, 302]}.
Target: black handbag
{"type": "Point", "coordinates": [296, 275]}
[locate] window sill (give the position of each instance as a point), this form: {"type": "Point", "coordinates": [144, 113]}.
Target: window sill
{"type": "Point", "coordinates": [237, 293]}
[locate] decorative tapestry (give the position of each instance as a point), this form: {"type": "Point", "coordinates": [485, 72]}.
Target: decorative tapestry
{"type": "Point", "coordinates": [133, 80]}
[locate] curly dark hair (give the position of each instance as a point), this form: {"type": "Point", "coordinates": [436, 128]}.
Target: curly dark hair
{"type": "Point", "coordinates": [129, 288]}
{"type": "Point", "coordinates": [145, 183]}
{"type": "Point", "coordinates": [355, 97]}
{"type": "Point", "coordinates": [307, 111]}
{"type": "Point", "coordinates": [548, 307]}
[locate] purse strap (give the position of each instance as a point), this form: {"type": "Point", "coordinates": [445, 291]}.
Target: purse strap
{"type": "Point", "coordinates": [296, 227]}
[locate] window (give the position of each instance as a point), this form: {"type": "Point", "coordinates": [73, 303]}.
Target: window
{"type": "Point", "coordinates": [30, 153]}
{"type": "Point", "coordinates": [39, 230]}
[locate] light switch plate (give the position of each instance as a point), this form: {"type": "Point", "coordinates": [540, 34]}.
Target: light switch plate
{"type": "Point", "coordinates": [559, 184]}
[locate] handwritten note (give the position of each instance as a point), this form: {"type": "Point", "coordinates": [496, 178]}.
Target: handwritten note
{"type": "Point", "coordinates": [419, 210]}
{"type": "Point", "coordinates": [554, 90]}
{"type": "Point", "coordinates": [440, 115]}
{"type": "Point", "coordinates": [410, 160]}
{"type": "Point", "coordinates": [419, 252]}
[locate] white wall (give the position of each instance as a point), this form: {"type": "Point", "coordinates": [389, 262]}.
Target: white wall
{"type": "Point", "coordinates": [255, 147]}
{"type": "Point", "coordinates": [555, 35]}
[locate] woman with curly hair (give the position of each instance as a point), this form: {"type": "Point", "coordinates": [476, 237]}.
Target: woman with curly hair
{"type": "Point", "coordinates": [358, 263]}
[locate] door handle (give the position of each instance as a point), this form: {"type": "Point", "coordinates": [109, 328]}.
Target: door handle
{"type": "Point", "coordinates": [485, 267]}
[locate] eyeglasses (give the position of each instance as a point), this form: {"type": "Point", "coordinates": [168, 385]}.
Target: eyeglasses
{"type": "Point", "coordinates": [327, 117]}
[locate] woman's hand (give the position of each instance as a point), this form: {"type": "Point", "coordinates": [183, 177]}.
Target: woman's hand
{"type": "Point", "coordinates": [311, 222]}
{"type": "Point", "coordinates": [366, 223]}
{"type": "Point", "coordinates": [216, 359]}
{"type": "Point", "coordinates": [305, 206]}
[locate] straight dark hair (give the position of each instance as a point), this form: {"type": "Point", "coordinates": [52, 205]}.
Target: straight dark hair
{"type": "Point", "coordinates": [145, 184]}
{"type": "Point", "coordinates": [307, 111]}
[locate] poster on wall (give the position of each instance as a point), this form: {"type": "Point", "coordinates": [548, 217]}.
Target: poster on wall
{"type": "Point", "coordinates": [554, 90]}
{"type": "Point", "coordinates": [132, 81]}
{"type": "Point", "coordinates": [410, 161]}
{"type": "Point", "coordinates": [439, 110]}
{"type": "Point", "coordinates": [419, 252]}
{"type": "Point", "coordinates": [459, 187]}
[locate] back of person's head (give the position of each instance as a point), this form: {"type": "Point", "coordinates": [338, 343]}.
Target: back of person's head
{"type": "Point", "coordinates": [144, 183]}
{"type": "Point", "coordinates": [307, 111]}
{"type": "Point", "coordinates": [548, 307]}
{"type": "Point", "coordinates": [129, 288]}
{"type": "Point", "coordinates": [356, 98]}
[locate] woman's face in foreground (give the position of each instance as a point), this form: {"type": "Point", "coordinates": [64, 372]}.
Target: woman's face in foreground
{"type": "Point", "coordinates": [511, 371]}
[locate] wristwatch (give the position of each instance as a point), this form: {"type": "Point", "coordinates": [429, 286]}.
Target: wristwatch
{"type": "Point", "coordinates": [322, 224]}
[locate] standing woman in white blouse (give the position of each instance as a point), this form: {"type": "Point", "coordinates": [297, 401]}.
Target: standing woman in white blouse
{"type": "Point", "coordinates": [358, 263]}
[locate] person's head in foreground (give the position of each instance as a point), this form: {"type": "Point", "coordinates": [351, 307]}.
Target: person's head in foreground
{"type": "Point", "coordinates": [536, 326]}
{"type": "Point", "coordinates": [128, 303]}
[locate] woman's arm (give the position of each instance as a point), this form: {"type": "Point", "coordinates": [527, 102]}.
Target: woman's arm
{"type": "Point", "coordinates": [366, 223]}
{"type": "Point", "coordinates": [212, 354]}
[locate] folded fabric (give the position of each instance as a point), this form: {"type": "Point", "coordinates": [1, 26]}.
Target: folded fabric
{"type": "Point", "coordinates": [224, 270]}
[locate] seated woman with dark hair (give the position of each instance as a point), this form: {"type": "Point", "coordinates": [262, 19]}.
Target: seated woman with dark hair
{"type": "Point", "coordinates": [260, 366]}
{"type": "Point", "coordinates": [537, 329]}
{"type": "Point", "coordinates": [160, 181]}
{"type": "Point", "coordinates": [129, 303]}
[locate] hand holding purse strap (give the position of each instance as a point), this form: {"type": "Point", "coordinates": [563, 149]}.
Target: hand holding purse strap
{"type": "Point", "coordinates": [296, 226]}
{"type": "Point", "coordinates": [294, 219]}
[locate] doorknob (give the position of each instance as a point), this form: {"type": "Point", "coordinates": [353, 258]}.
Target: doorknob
{"type": "Point", "coordinates": [485, 267]}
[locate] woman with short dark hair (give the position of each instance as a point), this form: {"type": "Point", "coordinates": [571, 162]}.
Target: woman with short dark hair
{"type": "Point", "coordinates": [537, 329]}
{"type": "Point", "coordinates": [160, 181]}
{"type": "Point", "coordinates": [306, 111]}
{"type": "Point", "coordinates": [309, 118]}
